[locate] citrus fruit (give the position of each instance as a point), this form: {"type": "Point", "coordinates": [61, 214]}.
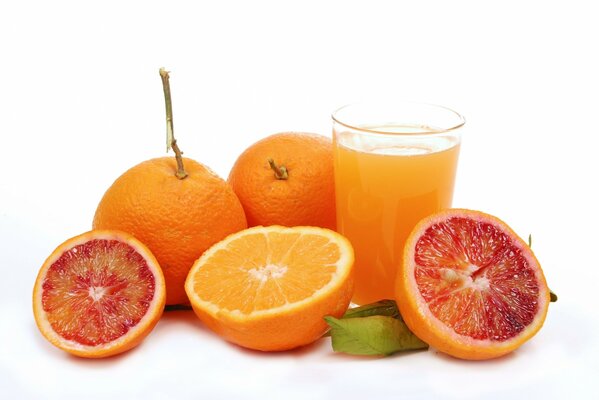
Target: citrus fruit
{"type": "Point", "coordinates": [176, 206]}
{"type": "Point", "coordinates": [287, 179]}
{"type": "Point", "coordinates": [178, 219]}
{"type": "Point", "coordinates": [469, 286]}
{"type": "Point", "coordinates": [98, 294]}
{"type": "Point", "coordinates": [269, 288]}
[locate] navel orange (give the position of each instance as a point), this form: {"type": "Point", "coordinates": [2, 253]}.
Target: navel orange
{"type": "Point", "coordinates": [98, 294]}
{"type": "Point", "coordinates": [287, 179]}
{"type": "Point", "coordinates": [269, 288]}
{"type": "Point", "coordinates": [469, 286]}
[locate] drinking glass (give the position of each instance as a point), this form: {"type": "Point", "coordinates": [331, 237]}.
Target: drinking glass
{"type": "Point", "coordinates": [395, 163]}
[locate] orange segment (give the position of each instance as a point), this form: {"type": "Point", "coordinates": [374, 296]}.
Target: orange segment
{"type": "Point", "coordinates": [98, 294]}
{"type": "Point", "coordinates": [265, 277]}
{"type": "Point", "coordinates": [470, 286]}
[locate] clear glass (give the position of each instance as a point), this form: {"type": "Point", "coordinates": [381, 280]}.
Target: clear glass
{"type": "Point", "coordinates": [395, 163]}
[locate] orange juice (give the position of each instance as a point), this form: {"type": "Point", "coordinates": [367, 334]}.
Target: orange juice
{"type": "Point", "coordinates": [383, 188]}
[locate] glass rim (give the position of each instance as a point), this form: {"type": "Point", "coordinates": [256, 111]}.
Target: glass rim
{"type": "Point", "coordinates": [451, 128]}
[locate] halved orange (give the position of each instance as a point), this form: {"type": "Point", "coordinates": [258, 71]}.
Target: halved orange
{"type": "Point", "coordinates": [269, 288]}
{"type": "Point", "coordinates": [469, 286]}
{"type": "Point", "coordinates": [98, 294]}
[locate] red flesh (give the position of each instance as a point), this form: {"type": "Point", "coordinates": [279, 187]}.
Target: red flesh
{"type": "Point", "coordinates": [97, 291]}
{"type": "Point", "coordinates": [476, 279]}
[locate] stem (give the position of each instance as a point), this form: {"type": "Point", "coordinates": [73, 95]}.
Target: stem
{"type": "Point", "coordinates": [280, 172]}
{"type": "Point", "coordinates": [171, 143]}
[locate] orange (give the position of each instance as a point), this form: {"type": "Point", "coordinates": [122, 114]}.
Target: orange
{"type": "Point", "coordinates": [98, 294]}
{"type": "Point", "coordinates": [287, 179]}
{"type": "Point", "coordinates": [269, 288]}
{"type": "Point", "coordinates": [178, 219]}
{"type": "Point", "coordinates": [469, 286]}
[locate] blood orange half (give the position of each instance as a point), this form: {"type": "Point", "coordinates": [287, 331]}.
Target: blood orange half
{"type": "Point", "coordinates": [469, 286]}
{"type": "Point", "coordinates": [98, 294]}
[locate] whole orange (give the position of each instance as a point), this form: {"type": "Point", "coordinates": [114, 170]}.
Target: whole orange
{"type": "Point", "coordinates": [287, 179]}
{"type": "Point", "coordinates": [178, 219]}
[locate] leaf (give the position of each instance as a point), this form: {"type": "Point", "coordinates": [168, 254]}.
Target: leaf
{"type": "Point", "coordinates": [374, 335]}
{"type": "Point", "coordinates": [382, 307]}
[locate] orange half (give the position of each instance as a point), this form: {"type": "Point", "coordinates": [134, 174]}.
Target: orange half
{"type": "Point", "coordinates": [98, 294]}
{"type": "Point", "coordinates": [469, 286]}
{"type": "Point", "coordinates": [268, 288]}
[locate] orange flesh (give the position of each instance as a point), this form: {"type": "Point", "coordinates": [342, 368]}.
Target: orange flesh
{"type": "Point", "coordinates": [97, 291]}
{"type": "Point", "coordinates": [275, 269]}
{"type": "Point", "coordinates": [475, 279]}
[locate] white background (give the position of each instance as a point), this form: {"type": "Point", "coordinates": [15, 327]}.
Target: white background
{"type": "Point", "coordinates": [81, 101]}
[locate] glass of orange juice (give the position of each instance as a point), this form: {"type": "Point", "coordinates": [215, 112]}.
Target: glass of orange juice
{"type": "Point", "coordinates": [395, 163]}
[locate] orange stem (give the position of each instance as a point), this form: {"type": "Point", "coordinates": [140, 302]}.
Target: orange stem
{"type": "Point", "coordinates": [280, 171]}
{"type": "Point", "coordinates": [171, 143]}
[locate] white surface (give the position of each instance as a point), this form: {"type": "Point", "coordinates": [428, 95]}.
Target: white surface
{"type": "Point", "coordinates": [81, 101]}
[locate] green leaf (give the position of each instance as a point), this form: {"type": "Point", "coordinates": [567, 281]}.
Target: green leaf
{"type": "Point", "coordinates": [375, 335]}
{"type": "Point", "coordinates": [382, 307]}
